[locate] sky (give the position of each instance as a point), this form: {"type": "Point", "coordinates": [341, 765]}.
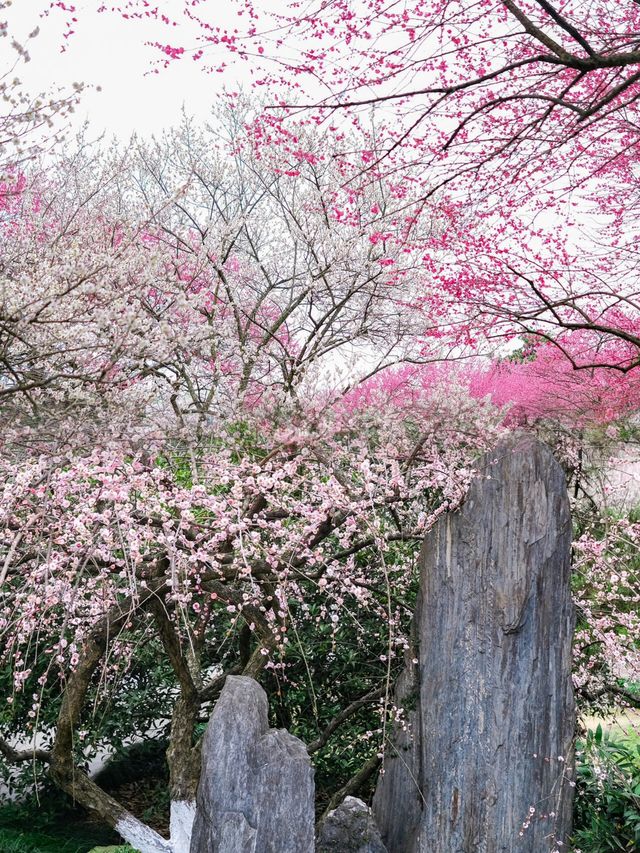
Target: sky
{"type": "Point", "coordinates": [124, 95]}
{"type": "Point", "coordinates": [110, 54]}
{"type": "Point", "coordinates": [112, 58]}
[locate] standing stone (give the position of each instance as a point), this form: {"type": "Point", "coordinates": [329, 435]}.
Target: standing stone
{"type": "Point", "coordinates": [486, 763]}
{"type": "Point", "coordinates": [256, 791]}
{"type": "Point", "coordinates": [349, 829]}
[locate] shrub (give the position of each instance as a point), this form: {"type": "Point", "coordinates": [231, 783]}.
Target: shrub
{"type": "Point", "coordinates": [607, 807]}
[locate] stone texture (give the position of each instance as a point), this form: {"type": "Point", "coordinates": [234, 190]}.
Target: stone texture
{"type": "Point", "coordinates": [350, 828]}
{"type": "Point", "coordinates": [490, 702]}
{"type": "Point", "coordinates": [256, 791]}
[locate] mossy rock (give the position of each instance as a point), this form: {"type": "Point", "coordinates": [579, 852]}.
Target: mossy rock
{"type": "Point", "coordinates": [119, 848]}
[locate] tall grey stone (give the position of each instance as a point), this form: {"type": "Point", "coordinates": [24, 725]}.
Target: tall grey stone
{"type": "Point", "coordinates": [485, 764]}
{"type": "Point", "coordinates": [256, 791]}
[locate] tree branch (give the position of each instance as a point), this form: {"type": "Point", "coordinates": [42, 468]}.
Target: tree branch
{"type": "Point", "coordinates": [344, 715]}
{"type": "Point", "coordinates": [16, 756]}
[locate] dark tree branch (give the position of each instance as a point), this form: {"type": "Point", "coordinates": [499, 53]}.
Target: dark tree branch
{"type": "Point", "coordinates": [16, 756]}
{"type": "Point", "coordinates": [344, 715]}
{"type": "Point", "coordinates": [354, 784]}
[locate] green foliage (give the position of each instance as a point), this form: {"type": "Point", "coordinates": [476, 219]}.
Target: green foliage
{"type": "Point", "coordinates": [326, 670]}
{"type": "Point", "coordinates": [18, 841]}
{"type": "Point", "coordinates": [527, 351]}
{"type": "Point", "coordinates": [22, 841]}
{"type": "Point", "coordinates": [607, 806]}
{"type": "Point", "coordinates": [324, 675]}
{"type": "Point", "coordinates": [628, 430]}
{"type": "Point", "coordinates": [144, 760]}
{"type": "Point", "coordinates": [50, 826]}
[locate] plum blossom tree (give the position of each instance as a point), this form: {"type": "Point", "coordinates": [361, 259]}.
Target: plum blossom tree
{"type": "Point", "coordinates": [29, 123]}
{"type": "Point", "coordinates": [191, 473]}
{"type": "Point", "coordinates": [525, 78]}
{"type": "Point", "coordinates": [189, 478]}
{"type": "Point", "coordinates": [186, 469]}
{"type": "Point", "coordinates": [522, 111]}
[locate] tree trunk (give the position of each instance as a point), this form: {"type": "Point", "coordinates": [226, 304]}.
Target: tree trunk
{"type": "Point", "coordinates": [487, 762]}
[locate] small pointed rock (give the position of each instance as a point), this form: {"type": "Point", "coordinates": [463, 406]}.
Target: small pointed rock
{"type": "Point", "coordinates": [350, 828]}
{"type": "Point", "coordinates": [256, 791]}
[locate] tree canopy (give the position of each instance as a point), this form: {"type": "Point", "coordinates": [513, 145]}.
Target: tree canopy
{"type": "Point", "coordinates": [244, 368]}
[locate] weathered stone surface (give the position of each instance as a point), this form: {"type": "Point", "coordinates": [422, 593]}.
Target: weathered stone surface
{"type": "Point", "coordinates": [490, 702]}
{"type": "Point", "coordinates": [350, 828]}
{"type": "Point", "coordinates": [256, 791]}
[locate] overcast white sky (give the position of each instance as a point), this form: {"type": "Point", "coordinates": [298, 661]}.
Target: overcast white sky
{"type": "Point", "coordinates": [111, 53]}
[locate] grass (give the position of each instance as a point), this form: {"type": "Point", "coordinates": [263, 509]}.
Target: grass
{"type": "Point", "coordinates": [32, 829]}
{"type": "Point", "coordinates": [24, 841]}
